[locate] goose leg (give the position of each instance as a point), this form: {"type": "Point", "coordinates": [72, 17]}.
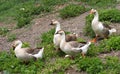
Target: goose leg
{"type": "Point", "coordinates": [95, 39]}
{"type": "Point", "coordinates": [69, 56]}
{"type": "Point", "coordinates": [83, 55]}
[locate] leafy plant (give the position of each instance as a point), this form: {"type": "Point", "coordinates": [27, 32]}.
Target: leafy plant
{"type": "Point", "coordinates": [53, 2]}
{"type": "Point", "coordinates": [110, 44]}
{"type": "Point", "coordinates": [112, 65]}
{"type": "Point", "coordinates": [91, 65]}
{"type": "Point", "coordinates": [3, 31]}
{"type": "Point", "coordinates": [93, 50]}
{"type": "Point", "coordinates": [72, 10]}
{"type": "Point", "coordinates": [100, 3]}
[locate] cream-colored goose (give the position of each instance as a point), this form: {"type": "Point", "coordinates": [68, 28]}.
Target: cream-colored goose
{"type": "Point", "coordinates": [25, 54]}
{"type": "Point", "coordinates": [100, 28]}
{"type": "Point", "coordinates": [72, 47]}
{"type": "Point", "coordinates": [57, 37]}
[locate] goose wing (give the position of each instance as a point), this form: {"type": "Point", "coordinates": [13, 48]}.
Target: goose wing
{"type": "Point", "coordinates": [76, 44]}
{"type": "Point", "coordinates": [71, 37]}
{"type": "Point", "coordinates": [32, 51]}
{"type": "Point", "coordinates": [106, 25]}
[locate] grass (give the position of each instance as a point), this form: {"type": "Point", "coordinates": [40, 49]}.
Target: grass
{"type": "Point", "coordinates": [100, 4]}
{"type": "Point", "coordinates": [11, 37]}
{"type": "Point", "coordinates": [11, 10]}
{"type": "Point", "coordinates": [3, 31]}
{"type": "Point", "coordinates": [72, 10]}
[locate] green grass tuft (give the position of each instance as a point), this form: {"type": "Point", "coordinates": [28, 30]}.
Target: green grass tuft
{"type": "Point", "coordinates": [11, 37]}
{"type": "Point", "coordinates": [3, 31]}
{"type": "Point", "coordinates": [72, 10]}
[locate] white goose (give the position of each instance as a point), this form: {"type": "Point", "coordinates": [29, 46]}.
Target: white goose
{"type": "Point", "coordinates": [72, 47]}
{"type": "Point", "coordinates": [57, 37]}
{"type": "Point", "coordinates": [100, 28]}
{"type": "Point", "coordinates": [25, 54]}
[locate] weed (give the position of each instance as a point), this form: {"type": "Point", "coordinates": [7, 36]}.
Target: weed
{"type": "Point", "coordinates": [11, 37]}
{"type": "Point", "coordinates": [110, 44]}
{"type": "Point", "coordinates": [100, 3]}
{"type": "Point", "coordinates": [3, 31]}
{"type": "Point", "coordinates": [53, 2]}
{"type": "Point", "coordinates": [112, 65]}
{"type": "Point", "coordinates": [91, 65]}
{"type": "Point", "coordinates": [72, 10]}
{"type": "Point", "coordinates": [93, 50]}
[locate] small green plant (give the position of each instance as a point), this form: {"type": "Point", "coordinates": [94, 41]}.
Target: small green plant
{"type": "Point", "coordinates": [110, 44]}
{"type": "Point", "coordinates": [72, 10]}
{"type": "Point", "coordinates": [112, 65]}
{"type": "Point", "coordinates": [53, 2]}
{"type": "Point", "coordinates": [110, 15]}
{"type": "Point", "coordinates": [11, 37]}
{"type": "Point", "coordinates": [93, 50]}
{"type": "Point", "coordinates": [25, 44]}
{"type": "Point", "coordinates": [91, 65]}
{"type": "Point", "coordinates": [3, 31]}
{"type": "Point", "coordinates": [100, 3]}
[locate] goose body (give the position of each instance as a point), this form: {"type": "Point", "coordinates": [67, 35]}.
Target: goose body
{"type": "Point", "coordinates": [57, 37]}
{"type": "Point", "coordinates": [100, 28]}
{"type": "Point", "coordinates": [72, 47]}
{"type": "Point", "coordinates": [25, 54]}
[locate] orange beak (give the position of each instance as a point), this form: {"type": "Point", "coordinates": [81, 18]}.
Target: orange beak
{"type": "Point", "coordinates": [91, 12]}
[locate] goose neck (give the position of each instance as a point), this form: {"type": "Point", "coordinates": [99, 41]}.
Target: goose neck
{"type": "Point", "coordinates": [18, 46]}
{"type": "Point", "coordinates": [63, 38]}
{"type": "Point", "coordinates": [58, 27]}
{"type": "Point", "coordinates": [96, 17]}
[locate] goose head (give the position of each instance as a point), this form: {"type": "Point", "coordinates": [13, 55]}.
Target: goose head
{"type": "Point", "coordinates": [16, 43]}
{"type": "Point", "coordinates": [93, 11]}
{"type": "Point", "coordinates": [54, 22]}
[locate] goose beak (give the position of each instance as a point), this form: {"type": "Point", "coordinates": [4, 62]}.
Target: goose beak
{"type": "Point", "coordinates": [91, 12]}
{"type": "Point", "coordinates": [13, 46]}
{"type": "Point", "coordinates": [51, 24]}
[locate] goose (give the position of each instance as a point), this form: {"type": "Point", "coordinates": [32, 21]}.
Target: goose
{"type": "Point", "coordinates": [57, 37]}
{"type": "Point", "coordinates": [25, 54]}
{"type": "Point", "coordinates": [71, 48]}
{"type": "Point", "coordinates": [100, 29]}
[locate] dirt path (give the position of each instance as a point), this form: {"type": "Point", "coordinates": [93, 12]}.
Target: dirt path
{"type": "Point", "coordinates": [32, 33]}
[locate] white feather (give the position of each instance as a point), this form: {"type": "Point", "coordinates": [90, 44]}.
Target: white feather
{"type": "Point", "coordinates": [112, 31]}
{"type": "Point", "coordinates": [39, 54]}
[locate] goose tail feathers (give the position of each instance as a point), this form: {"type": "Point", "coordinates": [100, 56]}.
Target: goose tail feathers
{"type": "Point", "coordinates": [112, 31]}
{"type": "Point", "coordinates": [39, 54]}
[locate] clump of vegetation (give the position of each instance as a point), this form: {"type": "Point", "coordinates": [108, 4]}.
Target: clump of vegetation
{"type": "Point", "coordinates": [110, 15]}
{"type": "Point", "coordinates": [111, 65]}
{"type": "Point", "coordinates": [93, 50]}
{"type": "Point", "coordinates": [100, 3]}
{"type": "Point", "coordinates": [11, 37]}
{"type": "Point", "coordinates": [110, 44]}
{"type": "Point", "coordinates": [3, 31]}
{"type": "Point", "coordinates": [53, 2]}
{"type": "Point", "coordinates": [72, 10]}
{"type": "Point", "coordinates": [91, 65]}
